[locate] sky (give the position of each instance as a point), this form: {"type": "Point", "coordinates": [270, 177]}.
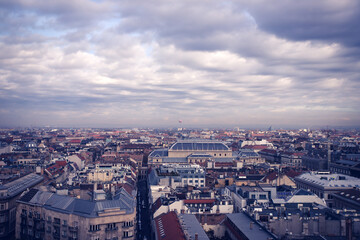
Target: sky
{"type": "Point", "coordinates": [141, 63]}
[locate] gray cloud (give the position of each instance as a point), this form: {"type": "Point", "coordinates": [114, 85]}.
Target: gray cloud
{"type": "Point", "coordinates": [109, 63]}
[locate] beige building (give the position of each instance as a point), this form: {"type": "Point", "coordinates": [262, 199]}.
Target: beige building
{"type": "Point", "coordinates": [46, 215]}
{"type": "Point", "coordinates": [107, 172]}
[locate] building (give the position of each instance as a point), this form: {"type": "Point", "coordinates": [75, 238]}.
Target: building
{"type": "Point", "coordinates": [108, 172]}
{"type": "Point", "coordinates": [291, 159]}
{"type": "Point", "coordinates": [46, 215]}
{"type": "Point", "coordinates": [347, 199]}
{"type": "Point", "coordinates": [176, 175]}
{"type": "Point", "coordinates": [191, 151]}
{"type": "Point", "coordinates": [192, 227]}
{"type": "Point", "coordinates": [249, 157]}
{"type": "Point", "coordinates": [9, 193]}
{"type": "Point", "coordinates": [324, 184]}
{"type": "Point", "coordinates": [239, 226]}
{"type": "Point", "coordinates": [315, 163]}
{"type": "Point", "coordinates": [167, 227]}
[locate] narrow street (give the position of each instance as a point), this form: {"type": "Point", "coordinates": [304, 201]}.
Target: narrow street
{"type": "Point", "coordinates": [143, 211]}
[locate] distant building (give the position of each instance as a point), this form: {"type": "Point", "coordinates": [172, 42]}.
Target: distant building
{"type": "Point", "coordinates": [291, 159]}
{"type": "Point", "coordinates": [249, 157]}
{"type": "Point", "coordinates": [315, 163]}
{"type": "Point", "coordinates": [191, 151]}
{"type": "Point", "coordinates": [270, 155]}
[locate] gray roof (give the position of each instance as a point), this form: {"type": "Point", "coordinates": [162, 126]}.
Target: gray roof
{"type": "Point", "coordinates": [347, 162]}
{"type": "Point", "coordinates": [159, 153]}
{"type": "Point", "coordinates": [85, 208]}
{"type": "Point", "coordinates": [19, 185]}
{"type": "Point", "coordinates": [192, 226]}
{"type": "Point", "coordinates": [248, 153]}
{"type": "Point", "coordinates": [242, 222]}
{"type": "Point", "coordinates": [329, 180]}
{"type": "Point", "coordinates": [199, 146]}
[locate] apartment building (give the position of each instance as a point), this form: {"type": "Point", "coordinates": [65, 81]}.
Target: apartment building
{"type": "Point", "coordinates": [46, 215]}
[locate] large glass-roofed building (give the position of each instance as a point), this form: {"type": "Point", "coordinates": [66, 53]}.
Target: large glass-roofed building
{"type": "Point", "coordinates": [191, 151]}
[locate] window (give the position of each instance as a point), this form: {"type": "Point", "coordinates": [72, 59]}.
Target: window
{"type": "Point", "coordinates": [262, 196]}
{"type": "Point", "coordinates": [128, 224]}
{"type": "Point", "coordinates": [93, 228]}
{"type": "Point", "coordinates": [57, 221]}
{"type": "Point", "coordinates": [111, 226]}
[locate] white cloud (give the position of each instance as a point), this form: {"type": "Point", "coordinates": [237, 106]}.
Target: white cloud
{"type": "Point", "coordinates": [211, 63]}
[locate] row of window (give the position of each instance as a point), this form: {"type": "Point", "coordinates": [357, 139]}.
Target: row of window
{"type": "Point", "coordinates": [195, 181]}
{"type": "Point", "coordinates": [94, 228]}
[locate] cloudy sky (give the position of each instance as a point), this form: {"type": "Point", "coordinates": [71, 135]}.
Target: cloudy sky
{"type": "Point", "coordinates": [209, 63]}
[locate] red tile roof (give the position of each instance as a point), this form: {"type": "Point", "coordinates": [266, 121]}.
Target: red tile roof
{"type": "Point", "coordinates": [291, 173]}
{"type": "Point", "coordinates": [168, 227]}
{"type": "Point", "coordinates": [255, 147]}
{"type": "Point", "coordinates": [272, 176]}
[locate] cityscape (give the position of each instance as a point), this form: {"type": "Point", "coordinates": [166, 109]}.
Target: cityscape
{"type": "Point", "coordinates": [83, 183]}
{"type": "Point", "coordinates": [179, 120]}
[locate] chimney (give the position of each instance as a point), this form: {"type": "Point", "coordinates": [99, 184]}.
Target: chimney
{"type": "Point", "coordinates": [182, 211]}
{"type": "Point", "coordinates": [196, 236]}
{"type": "Point", "coordinates": [251, 225]}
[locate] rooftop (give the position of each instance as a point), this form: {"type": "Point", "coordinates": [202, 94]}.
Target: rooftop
{"type": "Point", "coordinates": [123, 201]}
{"type": "Point", "coordinates": [191, 226]}
{"type": "Point", "coordinates": [199, 146]}
{"type": "Point", "coordinates": [243, 223]}
{"type": "Point", "coordinates": [330, 180]}
{"type": "Point", "coordinates": [19, 185]}
{"type": "Point", "coordinates": [168, 227]}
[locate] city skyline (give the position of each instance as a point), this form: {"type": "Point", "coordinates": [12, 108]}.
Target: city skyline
{"type": "Point", "coordinates": [150, 64]}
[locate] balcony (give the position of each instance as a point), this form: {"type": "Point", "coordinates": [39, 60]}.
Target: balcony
{"type": "Point", "coordinates": [111, 229]}
{"type": "Point", "coordinates": [73, 229]}
{"type": "Point", "coordinates": [128, 226]}
{"type": "Point", "coordinates": [126, 237]}
{"type": "Point", "coordinates": [56, 235]}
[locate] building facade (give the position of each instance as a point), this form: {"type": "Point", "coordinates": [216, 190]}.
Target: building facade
{"type": "Point", "coordinates": [9, 193]}
{"type": "Point", "coordinates": [46, 215]}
